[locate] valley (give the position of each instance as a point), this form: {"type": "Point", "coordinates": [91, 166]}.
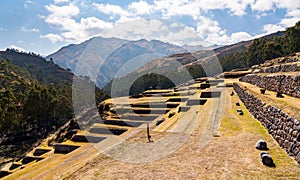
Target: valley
{"type": "Point", "coordinates": [196, 132]}
{"type": "Point", "coordinates": [111, 108]}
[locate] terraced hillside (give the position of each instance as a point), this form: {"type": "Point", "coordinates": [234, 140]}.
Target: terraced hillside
{"type": "Point", "coordinates": [272, 94]}
{"type": "Point", "coordinates": [198, 130]}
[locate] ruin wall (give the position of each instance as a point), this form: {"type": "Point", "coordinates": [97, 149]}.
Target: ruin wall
{"type": "Point", "coordinates": [284, 128]}
{"type": "Point", "coordinates": [284, 84]}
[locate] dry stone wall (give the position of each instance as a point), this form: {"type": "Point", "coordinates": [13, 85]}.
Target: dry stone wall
{"type": "Point", "coordinates": [281, 68]}
{"type": "Point", "coordinates": [284, 84]}
{"type": "Point", "coordinates": [284, 128]}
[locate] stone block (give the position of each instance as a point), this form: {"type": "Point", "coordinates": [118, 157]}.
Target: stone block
{"type": "Point", "coordinates": [240, 111]}
{"type": "Point", "coordinates": [298, 157]}
{"type": "Point", "coordinates": [295, 151]}
{"type": "Point", "coordinates": [267, 159]}
{"type": "Point", "coordinates": [294, 133]}
{"type": "Point", "coordinates": [261, 145]}
{"type": "Point", "coordinates": [298, 137]}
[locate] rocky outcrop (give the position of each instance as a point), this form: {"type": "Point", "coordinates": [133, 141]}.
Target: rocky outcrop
{"type": "Point", "coordinates": [284, 128]}
{"type": "Point", "coordinates": [284, 84]}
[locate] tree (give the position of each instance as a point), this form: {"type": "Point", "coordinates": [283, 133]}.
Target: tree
{"type": "Point", "coordinates": [293, 38]}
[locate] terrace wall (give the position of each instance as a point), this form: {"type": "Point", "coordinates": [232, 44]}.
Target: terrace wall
{"type": "Point", "coordinates": [280, 83]}
{"type": "Point", "coordinates": [284, 128]}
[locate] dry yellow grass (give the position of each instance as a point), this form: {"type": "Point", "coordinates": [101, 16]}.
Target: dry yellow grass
{"type": "Point", "coordinates": [288, 104]}
{"type": "Point", "coordinates": [230, 156]}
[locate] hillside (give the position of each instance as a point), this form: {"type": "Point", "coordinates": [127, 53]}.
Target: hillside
{"type": "Point", "coordinates": [45, 72]}
{"type": "Point", "coordinates": [37, 100]}
{"type": "Point", "coordinates": [101, 58]}
{"type": "Point", "coordinates": [199, 57]}
{"type": "Point", "coordinates": [207, 127]}
{"type": "Point", "coordinates": [29, 111]}
{"type": "Point", "coordinates": [203, 63]}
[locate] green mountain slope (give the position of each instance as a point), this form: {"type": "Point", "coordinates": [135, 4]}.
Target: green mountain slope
{"type": "Point", "coordinates": [42, 70]}
{"type": "Point", "coordinates": [36, 100]}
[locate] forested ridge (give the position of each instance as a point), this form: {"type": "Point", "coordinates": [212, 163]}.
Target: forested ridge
{"type": "Point", "coordinates": [29, 108]}
{"type": "Point", "coordinates": [45, 72]}
{"type": "Point", "coordinates": [36, 100]}
{"type": "Point", "coordinates": [265, 48]}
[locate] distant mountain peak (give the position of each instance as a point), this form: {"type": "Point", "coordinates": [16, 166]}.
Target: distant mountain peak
{"type": "Point", "coordinates": [110, 54]}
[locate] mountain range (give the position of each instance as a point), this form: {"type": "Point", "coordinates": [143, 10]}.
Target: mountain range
{"type": "Point", "coordinates": [101, 59]}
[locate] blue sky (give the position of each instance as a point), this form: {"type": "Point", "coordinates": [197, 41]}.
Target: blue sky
{"type": "Point", "coordinates": [45, 26]}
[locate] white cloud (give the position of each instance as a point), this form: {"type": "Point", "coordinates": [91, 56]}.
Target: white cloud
{"type": "Point", "coordinates": [130, 22]}
{"type": "Point", "coordinates": [207, 27]}
{"type": "Point", "coordinates": [263, 5]}
{"type": "Point", "coordinates": [24, 29]}
{"type": "Point", "coordinates": [86, 28]}
{"type": "Point", "coordinates": [240, 36]}
{"type": "Point", "coordinates": [60, 1]}
{"type": "Point", "coordinates": [212, 33]}
{"type": "Point", "coordinates": [287, 4]}
{"type": "Point", "coordinates": [292, 16]}
{"type": "Point", "coordinates": [141, 7]}
{"type": "Point", "coordinates": [225, 39]}
{"type": "Point", "coordinates": [54, 38]}
{"type": "Point", "coordinates": [18, 48]}
{"type": "Point", "coordinates": [111, 9]}
{"type": "Point", "coordinates": [170, 8]}
{"type": "Point", "coordinates": [294, 13]}
{"type": "Point", "coordinates": [125, 19]}
{"type": "Point", "coordinates": [272, 28]}
{"type": "Point", "coordinates": [184, 35]}
{"type": "Point", "coordinates": [135, 29]}
{"type": "Point", "coordinates": [288, 22]}
{"type": "Point", "coordinates": [236, 7]}
{"type": "Point", "coordinates": [160, 29]}
{"type": "Point", "coordinates": [61, 12]}
{"type": "Point", "coordinates": [73, 31]}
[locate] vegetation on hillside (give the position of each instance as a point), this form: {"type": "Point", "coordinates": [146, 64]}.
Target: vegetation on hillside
{"type": "Point", "coordinates": [28, 108]}
{"type": "Point", "coordinates": [263, 49]}
{"type": "Point", "coordinates": [45, 72]}
{"type": "Point", "coordinates": [37, 99]}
